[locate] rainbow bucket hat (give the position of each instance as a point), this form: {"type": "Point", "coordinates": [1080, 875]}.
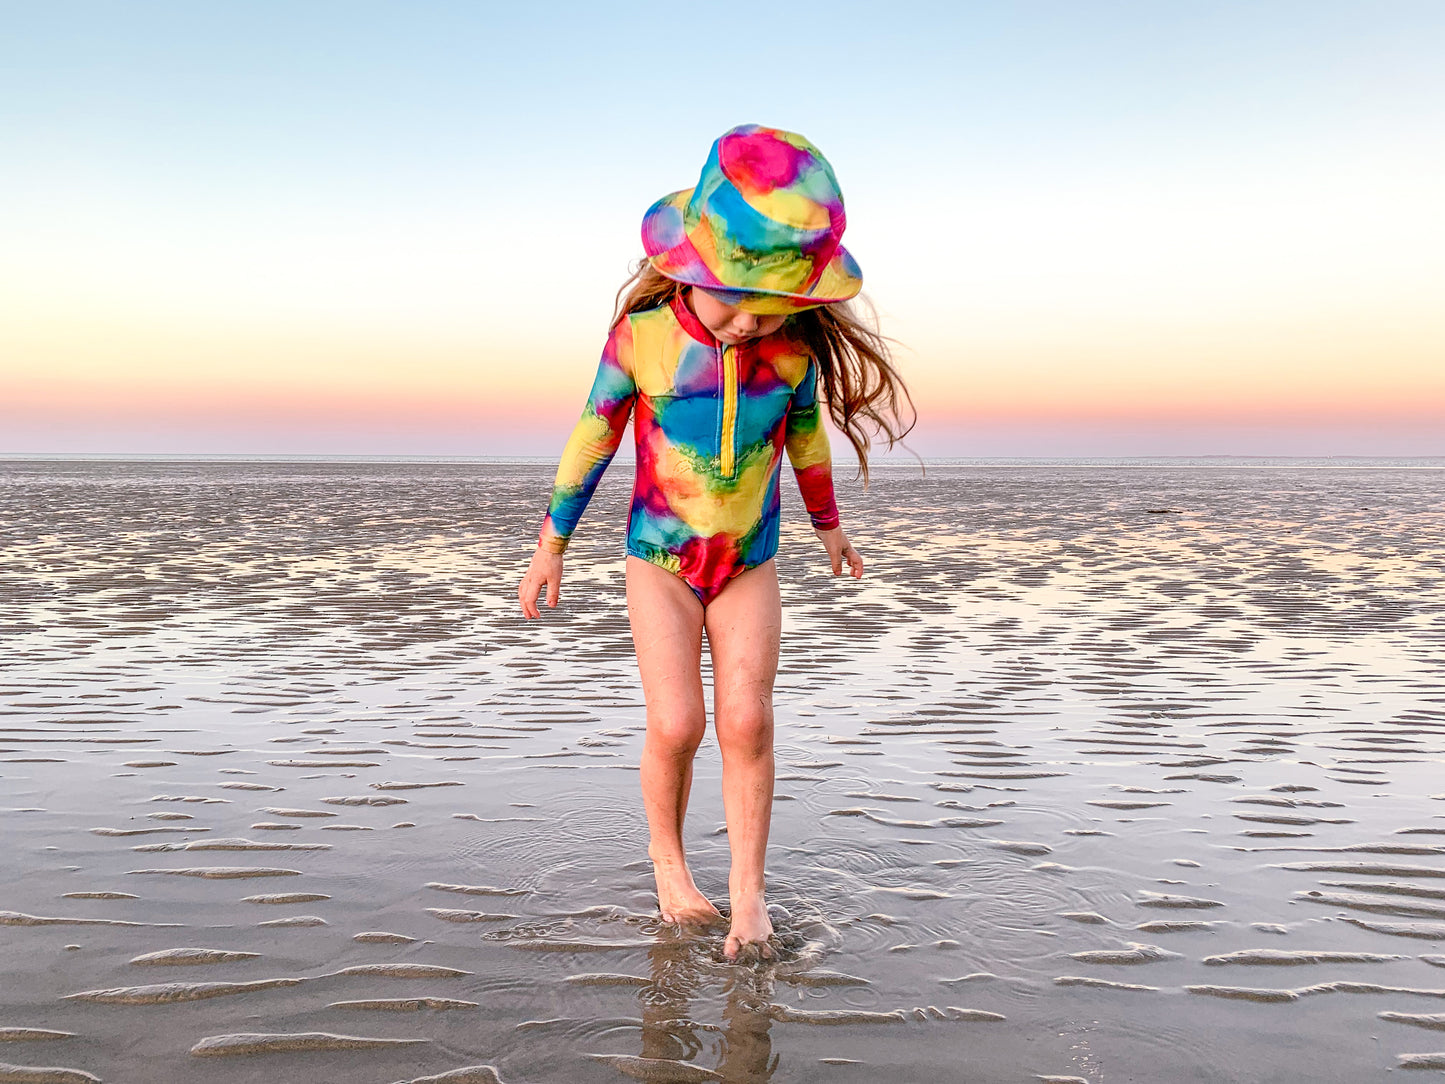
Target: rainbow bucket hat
{"type": "Point", "coordinates": [761, 229]}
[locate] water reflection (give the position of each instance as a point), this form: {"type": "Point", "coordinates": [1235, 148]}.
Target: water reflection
{"type": "Point", "coordinates": [670, 1031]}
{"type": "Point", "coordinates": [747, 1040]}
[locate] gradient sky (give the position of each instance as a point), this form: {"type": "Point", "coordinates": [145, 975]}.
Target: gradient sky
{"type": "Point", "coordinates": [1095, 228]}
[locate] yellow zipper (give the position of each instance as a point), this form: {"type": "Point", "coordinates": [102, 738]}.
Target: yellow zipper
{"type": "Point", "coordinates": [728, 452]}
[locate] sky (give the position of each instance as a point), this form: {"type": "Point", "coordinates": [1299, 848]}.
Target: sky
{"type": "Point", "coordinates": [1092, 228]}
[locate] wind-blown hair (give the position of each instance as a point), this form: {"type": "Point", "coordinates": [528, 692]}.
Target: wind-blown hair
{"type": "Point", "coordinates": [865, 394]}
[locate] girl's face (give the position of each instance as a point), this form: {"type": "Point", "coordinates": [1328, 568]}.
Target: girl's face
{"type": "Point", "coordinates": [728, 323]}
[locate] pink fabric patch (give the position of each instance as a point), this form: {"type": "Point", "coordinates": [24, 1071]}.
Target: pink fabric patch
{"type": "Point", "coordinates": [815, 483]}
{"type": "Point", "coordinates": [708, 563]}
{"type": "Point", "coordinates": [760, 161]}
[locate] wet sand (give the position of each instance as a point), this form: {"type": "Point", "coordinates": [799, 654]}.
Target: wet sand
{"type": "Point", "coordinates": [1102, 774]}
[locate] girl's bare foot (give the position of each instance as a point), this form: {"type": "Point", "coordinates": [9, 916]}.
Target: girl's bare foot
{"type": "Point", "coordinates": [750, 925]}
{"type": "Point", "coordinates": [678, 898]}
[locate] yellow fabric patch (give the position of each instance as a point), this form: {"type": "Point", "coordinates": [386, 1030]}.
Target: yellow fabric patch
{"type": "Point", "coordinates": [791, 368]}
{"type": "Point", "coordinates": [808, 447]}
{"type": "Point", "coordinates": [734, 512]}
{"type": "Point", "coordinates": [657, 346]}
{"type": "Point", "coordinates": [791, 208]}
{"type": "Point", "coordinates": [590, 443]}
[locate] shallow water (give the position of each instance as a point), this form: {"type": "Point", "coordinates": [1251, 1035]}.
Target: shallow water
{"type": "Point", "coordinates": [1102, 774]}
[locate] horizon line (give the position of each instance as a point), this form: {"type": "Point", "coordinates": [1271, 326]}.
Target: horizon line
{"type": "Point", "coordinates": [1222, 458]}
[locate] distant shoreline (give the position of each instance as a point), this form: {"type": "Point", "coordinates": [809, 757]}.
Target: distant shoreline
{"type": "Point", "coordinates": [1353, 462]}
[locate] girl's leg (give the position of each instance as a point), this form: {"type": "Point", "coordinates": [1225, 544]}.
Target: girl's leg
{"type": "Point", "coordinates": [744, 625]}
{"type": "Point", "coordinates": [667, 635]}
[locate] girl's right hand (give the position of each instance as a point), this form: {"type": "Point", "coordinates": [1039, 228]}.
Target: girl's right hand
{"type": "Point", "coordinates": [544, 571]}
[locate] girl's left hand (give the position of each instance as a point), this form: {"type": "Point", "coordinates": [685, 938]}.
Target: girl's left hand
{"type": "Point", "coordinates": [840, 550]}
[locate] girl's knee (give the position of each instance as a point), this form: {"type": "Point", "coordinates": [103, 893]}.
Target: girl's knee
{"type": "Point", "coordinates": [746, 731]}
{"type": "Point", "coordinates": [678, 732]}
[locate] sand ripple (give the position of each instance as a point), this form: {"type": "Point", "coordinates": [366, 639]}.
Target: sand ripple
{"type": "Point", "coordinates": [365, 799]}
{"type": "Point", "coordinates": [243, 1043]}
{"type": "Point", "coordinates": [34, 1074]}
{"type": "Point", "coordinates": [168, 993]}
{"type": "Point", "coordinates": [468, 1074]}
{"type": "Point", "coordinates": [1136, 953]}
{"type": "Point", "coordinates": [843, 1017]}
{"type": "Point", "coordinates": [1296, 957]}
{"type": "Point", "coordinates": [405, 1004]}
{"type": "Point", "coordinates": [16, 918]}
{"type": "Point", "coordinates": [1164, 900]}
{"type": "Point", "coordinates": [1101, 984]}
{"type": "Point", "coordinates": [661, 1070]}
{"type": "Point", "coordinates": [1250, 994]}
{"type": "Point", "coordinates": [447, 914]}
{"type": "Point", "coordinates": [232, 845]}
{"type": "Point", "coordinates": [405, 971]}
{"type": "Point", "coordinates": [220, 872]}
{"type": "Point", "coordinates": [602, 978]}
{"type": "Point", "coordinates": [476, 890]}
{"type": "Point", "coordinates": [185, 957]}
{"type": "Point", "coordinates": [1422, 1061]}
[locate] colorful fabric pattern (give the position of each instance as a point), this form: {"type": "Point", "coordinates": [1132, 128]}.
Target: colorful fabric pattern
{"type": "Point", "coordinates": [711, 423]}
{"type": "Point", "coordinates": [762, 227]}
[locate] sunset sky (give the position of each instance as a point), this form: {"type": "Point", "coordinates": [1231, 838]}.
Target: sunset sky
{"type": "Point", "coordinates": [1096, 228]}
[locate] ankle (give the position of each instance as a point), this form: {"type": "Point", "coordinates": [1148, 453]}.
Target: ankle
{"type": "Point", "coordinates": [666, 859]}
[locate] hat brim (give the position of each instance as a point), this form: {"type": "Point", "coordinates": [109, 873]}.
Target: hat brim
{"type": "Point", "coordinates": [671, 252]}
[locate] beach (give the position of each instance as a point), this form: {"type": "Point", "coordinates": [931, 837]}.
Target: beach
{"type": "Point", "coordinates": [1102, 773]}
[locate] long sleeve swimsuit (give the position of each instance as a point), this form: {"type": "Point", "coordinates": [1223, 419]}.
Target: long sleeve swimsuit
{"type": "Point", "coordinates": [711, 423]}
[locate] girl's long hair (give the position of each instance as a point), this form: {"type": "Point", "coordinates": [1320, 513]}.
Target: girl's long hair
{"type": "Point", "coordinates": [865, 394]}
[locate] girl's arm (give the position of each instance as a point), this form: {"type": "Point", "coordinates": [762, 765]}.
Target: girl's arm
{"type": "Point", "coordinates": [807, 444]}
{"type": "Point", "coordinates": [593, 443]}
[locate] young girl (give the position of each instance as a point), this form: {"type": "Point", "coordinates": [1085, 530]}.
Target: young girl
{"type": "Point", "coordinates": [723, 338]}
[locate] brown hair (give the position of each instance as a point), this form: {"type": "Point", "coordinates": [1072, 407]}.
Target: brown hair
{"type": "Point", "coordinates": [865, 394]}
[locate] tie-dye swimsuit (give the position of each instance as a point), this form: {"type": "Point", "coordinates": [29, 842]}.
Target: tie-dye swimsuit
{"type": "Point", "coordinates": [712, 421]}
